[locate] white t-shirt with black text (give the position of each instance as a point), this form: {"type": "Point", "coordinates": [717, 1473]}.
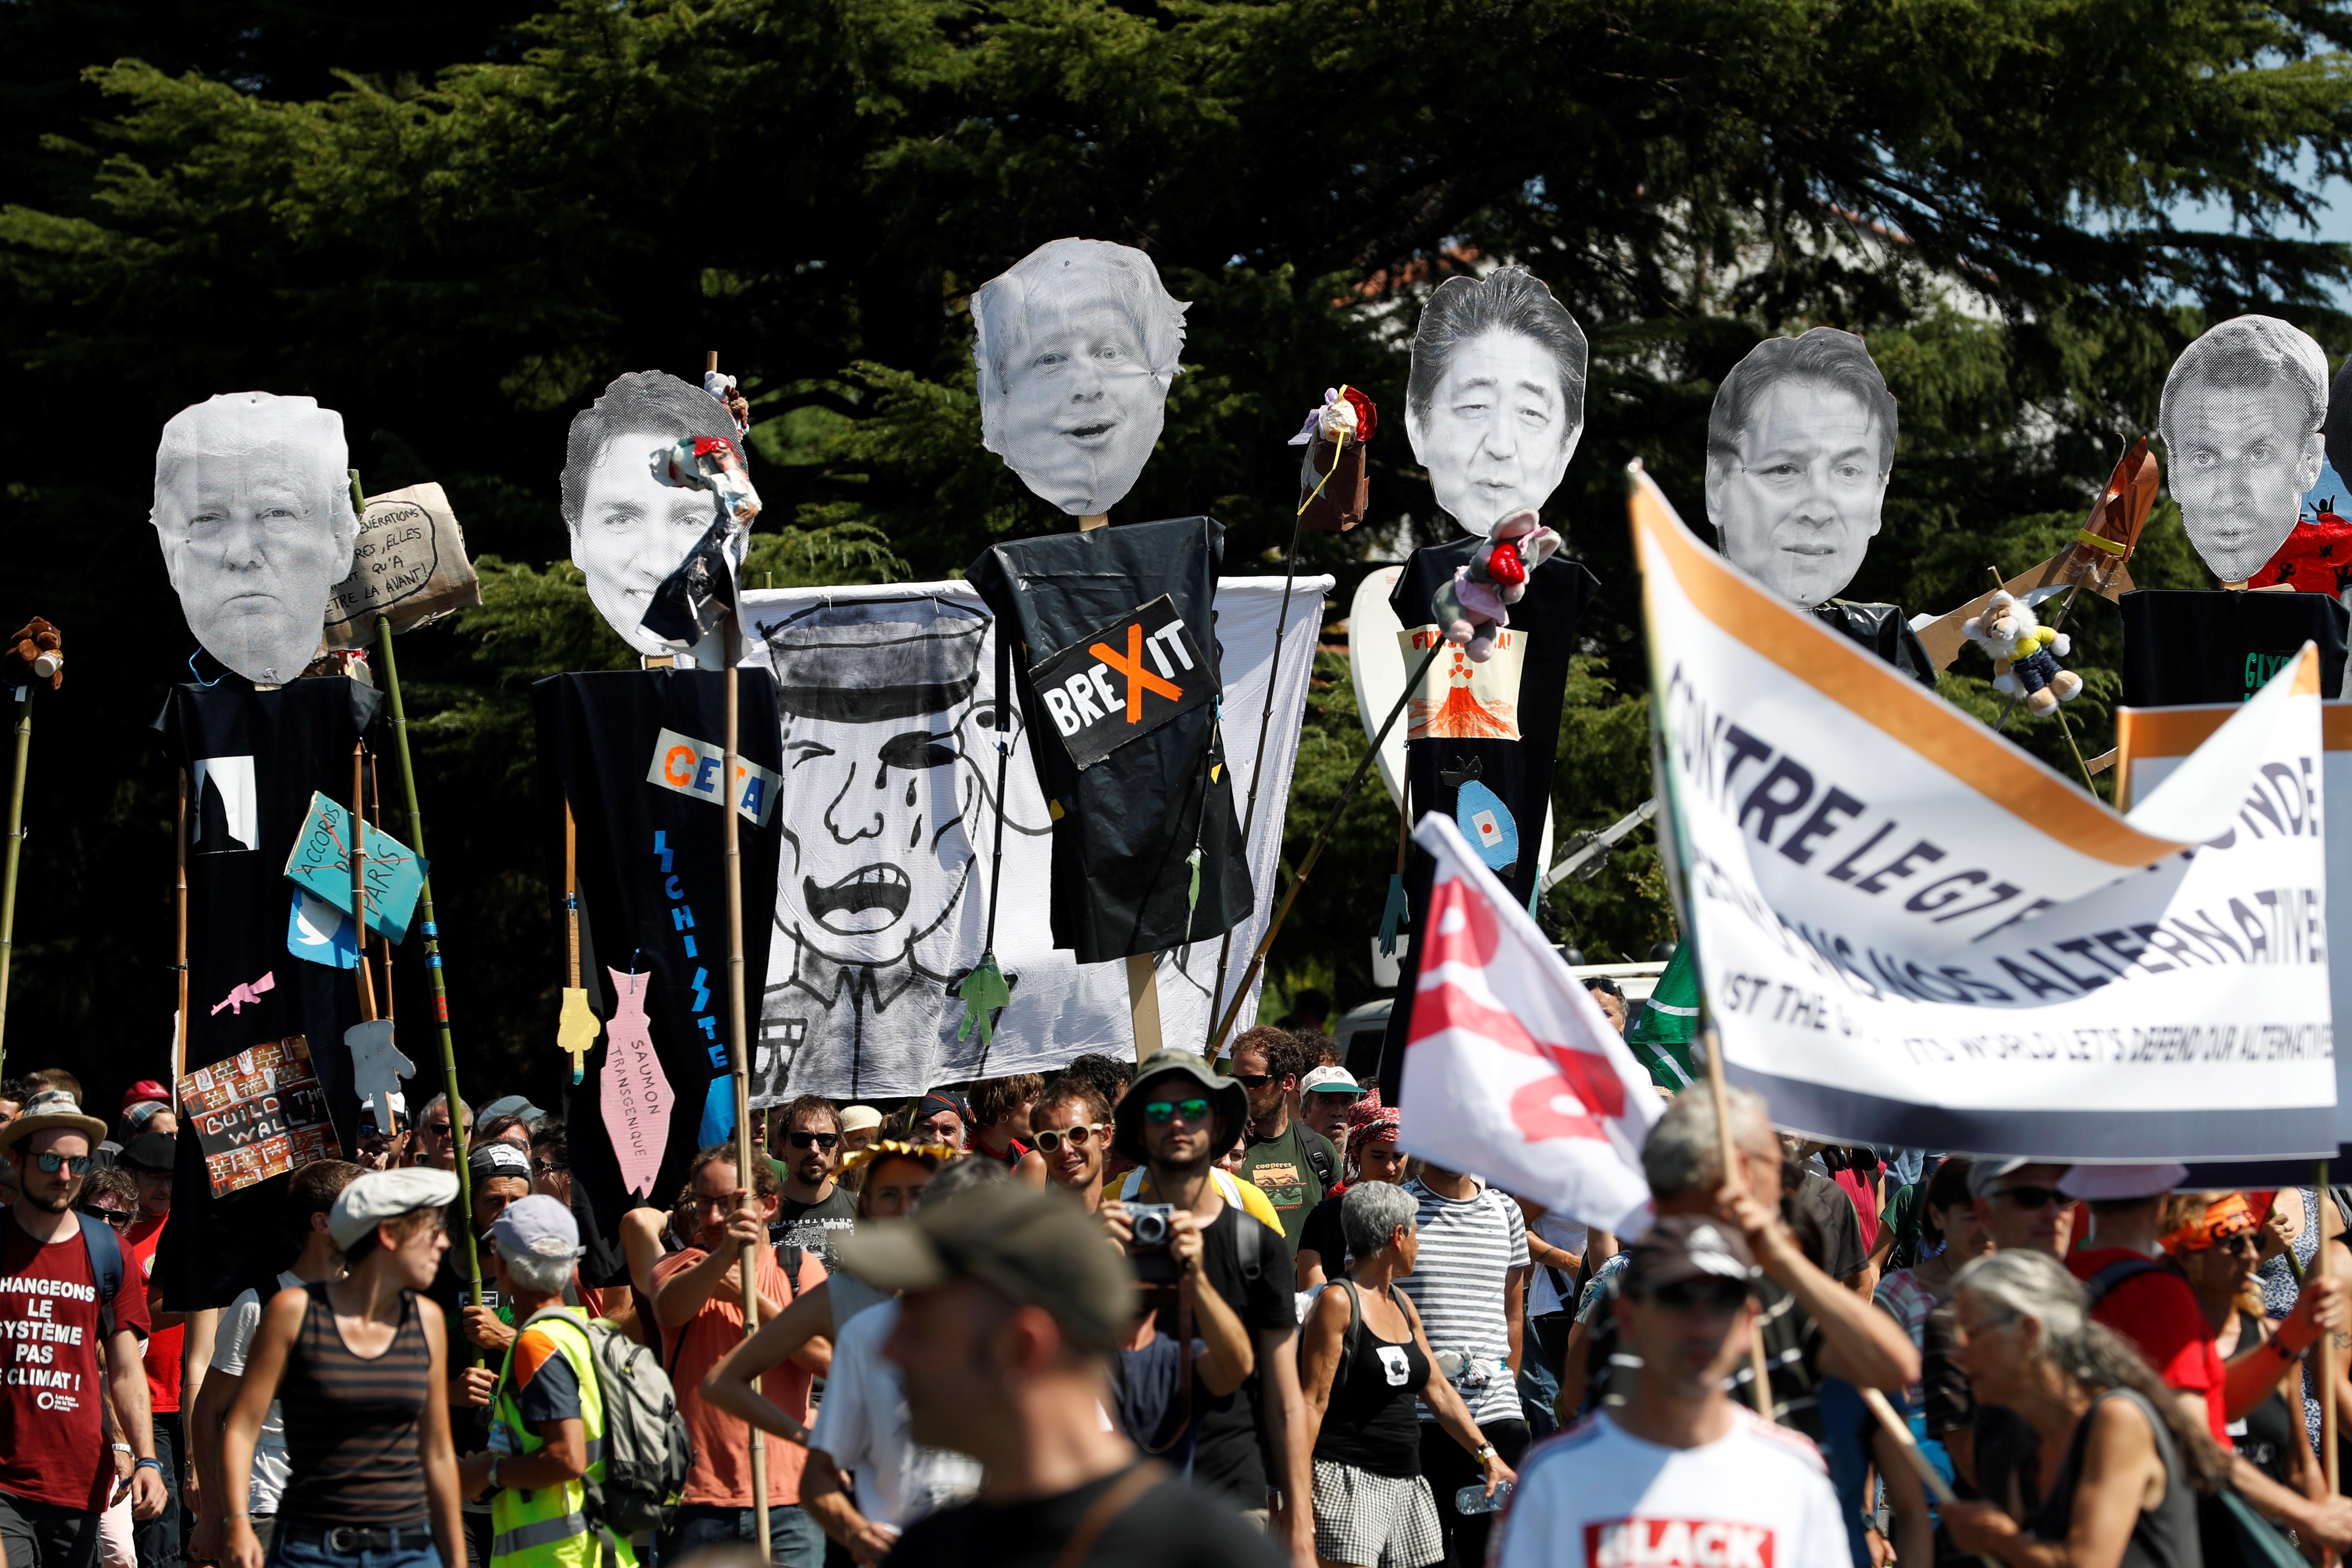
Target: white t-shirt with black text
{"type": "Point", "coordinates": [1597, 1497]}
{"type": "Point", "coordinates": [232, 1346]}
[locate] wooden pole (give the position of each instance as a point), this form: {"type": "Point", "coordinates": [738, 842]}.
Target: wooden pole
{"type": "Point", "coordinates": [1900, 1430]}
{"type": "Point", "coordinates": [571, 898]}
{"type": "Point", "coordinates": [2324, 1262]}
{"type": "Point", "coordinates": [1142, 968]}
{"type": "Point", "coordinates": [180, 940]}
{"type": "Point", "coordinates": [1727, 1149]}
{"type": "Point", "coordinates": [359, 893]}
{"type": "Point", "coordinates": [415, 820]}
{"type": "Point", "coordinates": [16, 848]}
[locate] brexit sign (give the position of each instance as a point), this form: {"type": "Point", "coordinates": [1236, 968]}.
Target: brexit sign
{"type": "Point", "coordinates": [692, 767]}
{"type": "Point", "coordinates": [1124, 681]}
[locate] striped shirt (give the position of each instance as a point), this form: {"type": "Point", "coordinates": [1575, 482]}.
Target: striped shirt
{"type": "Point", "coordinates": [351, 1423]}
{"type": "Point", "coordinates": [1468, 1248]}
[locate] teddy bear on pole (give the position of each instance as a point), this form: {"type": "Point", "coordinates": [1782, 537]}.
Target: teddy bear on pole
{"type": "Point", "coordinates": [2016, 638]}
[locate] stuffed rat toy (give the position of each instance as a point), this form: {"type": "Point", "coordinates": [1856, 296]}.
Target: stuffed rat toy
{"type": "Point", "coordinates": [2009, 630]}
{"type": "Point", "coordinates": [1474, 607]}
{"type": "Point", "coordinates": [35, 653]}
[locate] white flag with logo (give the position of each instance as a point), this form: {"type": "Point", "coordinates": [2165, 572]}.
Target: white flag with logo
{"type": "Point", "coordinates": [1511, 1070]}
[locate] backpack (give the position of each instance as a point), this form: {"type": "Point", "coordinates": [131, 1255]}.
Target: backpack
{"type": "Point", "coordinates": [105, 1265]}
{"type": "Point", "coordinates": [2097, 1286]}
{"type": "Point", "coordinates": [647, 1448]}
{"type": "Point", "coordinates": [1318, 1155]}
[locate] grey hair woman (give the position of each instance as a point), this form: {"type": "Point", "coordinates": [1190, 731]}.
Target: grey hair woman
{"type": "Point", "coordinates": [2124, 1493]}
{"type": "Point", "coordinates": [1364, 1362]}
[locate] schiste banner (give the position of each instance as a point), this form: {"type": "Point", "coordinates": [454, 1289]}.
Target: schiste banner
{"type": "Point", "coordinates": [1911, 932]}
{"type": "Point", "coordinates": [889, 815]}
{"type": "Point", "coordinates": [254, 762]}
{"type": "Point", "coordinates": [638, 755]}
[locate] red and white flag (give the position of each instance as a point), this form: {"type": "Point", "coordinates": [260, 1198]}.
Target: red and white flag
{"type": "Point", "coordinates": [1511, 1070]}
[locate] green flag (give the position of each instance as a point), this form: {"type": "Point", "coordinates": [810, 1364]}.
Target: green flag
{"type": "Point", "coordinates": [1660, 1033]}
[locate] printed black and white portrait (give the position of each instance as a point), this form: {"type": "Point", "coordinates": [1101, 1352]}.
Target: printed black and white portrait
{"type": "Point", "coordinates": [253, 510]}
{"type": "Point", "coordinates": [887, 779]}
{"type": "Point", "coordinates": [631, 529]}
{"type": "Point", "coordinates": [1495, 405]}
{"type": "Point", "coordinates": [2242, 421]}
{"type": "Point", "coordinates": [1075, 347]}
{"type": "Point", "coordinates": [1798, 447]}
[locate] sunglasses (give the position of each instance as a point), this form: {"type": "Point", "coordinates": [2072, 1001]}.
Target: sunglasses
{"type": "Point", "coordinates": [2244, 1241]}
{"type": "Point", "coordinates": [2034, 1197]}
{"type": "Point", "coordinates": [1050, 1139]}
{"type": "Point", "coordinates": [53, 1163]}
{"type": "Point", "coordinates": [812, 1139]}
{"type": "Point", "coordinates": [1162, 1110]}
{"type": "Point", "coordinates": [1253, 1079]}
{"type": "Point", "coordinates": [547, 1168]}
{"type": "Point", "coordinates": [1724, 1296]}
{"type": "Point", "coordinates": [437, 1128]}
{"type": "Point", "coordinates": [119, 1219]}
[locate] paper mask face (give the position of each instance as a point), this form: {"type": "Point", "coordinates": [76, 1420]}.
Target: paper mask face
{"type": "Point", "coordinates": [630, 527]}
{"type": "Point", "coordinates": [2241, 421]}
{"type": "Point", "coordinates": [253, 510]}
{"type": "Point", "coordinates": [1800, 447]}
{"type": "Point", "coordinates": [1495, 404]}
{"type": "Point", "coordinates": [1076, 345]}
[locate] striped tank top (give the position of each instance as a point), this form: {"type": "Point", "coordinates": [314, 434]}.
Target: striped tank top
{"type": "Point", "coordinates": [351, 1423]}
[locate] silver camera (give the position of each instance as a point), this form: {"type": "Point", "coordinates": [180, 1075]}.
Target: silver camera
{"type": "Point", "coordinates": [1149, 1226]}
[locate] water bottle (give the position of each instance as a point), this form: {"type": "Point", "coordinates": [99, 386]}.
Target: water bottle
{"type": "Point", "coordinates": [1473, 1498]}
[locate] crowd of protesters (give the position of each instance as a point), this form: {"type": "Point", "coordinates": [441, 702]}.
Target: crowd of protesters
{"type": "Point", "coordinates": [1179, 1312]}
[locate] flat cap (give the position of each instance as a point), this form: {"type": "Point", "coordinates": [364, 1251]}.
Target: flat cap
{"type": "Point", "coordinates": [380, 1195]}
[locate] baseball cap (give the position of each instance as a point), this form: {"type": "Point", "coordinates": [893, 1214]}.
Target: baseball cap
{"type": "Point", "coordinates": [2121, 1183]}
{"type": "Point", "coordinates": [1040, 1249]}
{"type": "Point", "coordinates": [380, 1195]}
{"type": "Point", "coordinates": [538, 1225]}
{"type": "Point", "coordinates": [1330, 1081]}
{"type": "Point", "coordinates": [1682, 1246]}
{"type": "Point", "coordinates": [1985, 1174]}
{"type": "Point", "coordinates": [145, 1089]}
{"type": "Point", "coordinates": [155, 1152]}
{"type": "Point", "coordinates": [857, 1118]}
{"type": "Point", "coordinates": [497, 1159]}
{"type": "Point", "coordinates": [507, 1105]}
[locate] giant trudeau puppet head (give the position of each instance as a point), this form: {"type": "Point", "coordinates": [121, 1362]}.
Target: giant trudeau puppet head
{"type": "Point", "coordinates": [1075, 347]}
{"type": "Point", "coordinates": [1496, 403]}
{"type": "Point", "coordinates": [1799, 449]}
{"type": "Point", "coordinates": [253, 508]}
{"type": "Point", "coordinates": [2242, 422]}
{"type": "Point", "coordinates": [631, 527]}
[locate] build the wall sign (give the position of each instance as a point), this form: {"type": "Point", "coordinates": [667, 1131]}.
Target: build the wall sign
{"type": "Point", "coordinates": [1124, 681]}
{"type": "Point", "coordinates": [259, 1113]}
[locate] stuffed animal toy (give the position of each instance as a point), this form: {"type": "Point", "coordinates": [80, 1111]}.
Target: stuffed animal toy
{"type": "Point", "coordinates": [1474, 607]}
{"type": "Point", "coordinates": [2011, 632]}
{"type": "Point", "coordinates": [33, 653]}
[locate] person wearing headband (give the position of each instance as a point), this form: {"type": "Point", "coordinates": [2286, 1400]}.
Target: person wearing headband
{"type": "Point", "coordinates": [941, 1117]}
{"type": "Point", "coordinates": [1372, 1155]}
{"type": "Point", "coordinates": [2215, 1240]}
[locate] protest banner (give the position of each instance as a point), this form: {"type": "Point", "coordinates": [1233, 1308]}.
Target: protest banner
{"type": "Point", "coordinates": [1911, 932]}
{"type": "Point", "coordinates": [1511, 1070]}
{"type": "Point", "coordinates": [258, 1114]}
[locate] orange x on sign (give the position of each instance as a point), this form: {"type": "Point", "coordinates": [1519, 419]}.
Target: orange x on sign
{"type": "Point", "coordinates": [1139, 680]}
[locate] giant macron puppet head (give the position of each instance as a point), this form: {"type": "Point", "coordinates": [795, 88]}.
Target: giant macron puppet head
{"type": "Point", "coordinates": [1800, 445]}
{"type": "Point", "coordinates": [253, 510]}
{"type": "Point", "coordinates": [1075, 347]}
{"type": "Point", "coordinates": [631, 529]}
{"type": "Point", "coordinates": [2241, 421]}
{"type": "Point", "coordinates": [1495, 405]}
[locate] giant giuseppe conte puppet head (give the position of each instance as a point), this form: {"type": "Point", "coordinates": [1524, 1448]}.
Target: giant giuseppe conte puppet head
{"type": "Point", "coordinates": [630, 527]}
{"type": "Point", "coordinates": [1800, 445]}
{"type": "Point", "coordinates": [2241, 421]}
{"type": "Point", "coordinates": [1075, 347]}
{"type": "Point", "coordinates": [253, 510]}
{"type": "Point", "coordinates": [1495, 405]}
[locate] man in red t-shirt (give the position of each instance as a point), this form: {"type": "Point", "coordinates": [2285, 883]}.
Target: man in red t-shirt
{"type": "Point", "coordinates": [55, 1470]}
{"type": "Point", "coordinates": [150, 1158]}
{"type": "Point", "coordinates": [698, 1301]}
{"type": "Point", "coordinates": [2154, 1308]}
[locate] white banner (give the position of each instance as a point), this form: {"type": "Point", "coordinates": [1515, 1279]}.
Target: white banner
{"type": "Point", "coordinates": [1512, 1072]}
{"type": "Point", "coordinates": [887, 798]}
{"type": "Point", "coordinates": [1910, 932]}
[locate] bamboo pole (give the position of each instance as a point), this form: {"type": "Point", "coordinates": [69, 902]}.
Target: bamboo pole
{"type": "Point", "coordinates": [179, 940]}
{"type": "Point", "coordinates": [739, 1042]}
{"type": "Point", "coordinates": [1759, 1391]}
{"type": "Point", "coordinates": [15, 848]}
{"type": "Point", "coordinates": [359, 893]}
{"type": "Point", "coordinates": [383, 941]}
{"type": "Point", "coordinates": [1315, 851]}
{"type": "Point", "coordinates": [433, 959]}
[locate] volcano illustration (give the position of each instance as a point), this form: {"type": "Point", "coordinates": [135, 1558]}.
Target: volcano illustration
{"type": "Point", "coordinates": [1461, 717]}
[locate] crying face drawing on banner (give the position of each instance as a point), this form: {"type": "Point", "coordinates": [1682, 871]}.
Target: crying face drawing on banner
{"type": "Point", "coordinates": [888, 772]}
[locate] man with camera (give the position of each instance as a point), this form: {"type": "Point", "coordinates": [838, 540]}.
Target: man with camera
{"type": "Point", "coordinates": [1173, 1122]}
